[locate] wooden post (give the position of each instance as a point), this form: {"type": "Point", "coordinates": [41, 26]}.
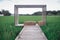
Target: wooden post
{"type": "Point", "coordinates": [44, 14]}
{"type": "Point", "coordinates": [16, 15]}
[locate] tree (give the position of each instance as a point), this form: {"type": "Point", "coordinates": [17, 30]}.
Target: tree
{"type": "Point", "coordinates": [48, 12]}
{"type": "Point", "coordinates": [37, 13]}
{"type": "Point", "coordinates": [58, 12]}
{"type": "Point", "coordinates": [0, 12]}
{"type": "Point", "coordinates": [54, 12]}
{"type": "Point", "coordinates": [6, 13]}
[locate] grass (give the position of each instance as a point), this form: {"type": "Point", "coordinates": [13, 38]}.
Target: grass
{"type": "Point", "coordinates": [9, 32]}
{"type": "Point", "coordinates": [7, 29]}
{"type": "Point", "coordinates": [29, 18]}
{"type": "Point", "coordinates": [52, 29]}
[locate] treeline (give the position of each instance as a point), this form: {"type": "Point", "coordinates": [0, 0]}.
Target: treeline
{"type": "Point", "coordinates": [47, 13]}
{"type": "Point", "coordinates": [53, 12]}
{"type": "Point", "coordinates": [5, 13]}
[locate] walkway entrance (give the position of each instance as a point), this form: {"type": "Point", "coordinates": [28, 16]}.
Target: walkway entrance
{"type": "Point", "coordinates": [16, 19]}
{"type": "Point", "coordinates": [31, 32]}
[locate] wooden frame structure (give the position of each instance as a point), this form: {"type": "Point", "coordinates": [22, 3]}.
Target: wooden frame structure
{"type": "Point", "coordinates": [16, 19]}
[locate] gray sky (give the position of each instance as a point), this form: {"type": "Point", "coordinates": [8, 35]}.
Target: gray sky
{"type": "Point", "coordinates": [9, 5]}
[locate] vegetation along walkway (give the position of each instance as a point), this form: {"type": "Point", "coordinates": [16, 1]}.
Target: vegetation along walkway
{"type": "Point", "coordinates": [32, 32]}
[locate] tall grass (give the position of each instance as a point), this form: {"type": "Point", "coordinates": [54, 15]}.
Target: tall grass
{"type": "Point", "coordinates": [52, 28]}
{"type": "Point", "coordinates": [7, 29]}
{"type": "Point", "coordinates": [9, 32]}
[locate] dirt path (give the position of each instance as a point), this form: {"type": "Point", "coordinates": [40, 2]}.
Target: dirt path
{"type": "Point", "coordinates": [31, 33]}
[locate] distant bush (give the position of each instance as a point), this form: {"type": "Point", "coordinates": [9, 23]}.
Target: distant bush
{"type": "Point", "coordinates": [5, 12]}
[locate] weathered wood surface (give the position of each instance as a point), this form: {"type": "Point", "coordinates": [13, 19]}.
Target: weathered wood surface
{"type": "Point", "coordinates": [31, 33]}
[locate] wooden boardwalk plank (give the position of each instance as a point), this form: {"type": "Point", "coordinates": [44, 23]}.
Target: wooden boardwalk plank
{"type": "Point", "coordinates": [31, 33]}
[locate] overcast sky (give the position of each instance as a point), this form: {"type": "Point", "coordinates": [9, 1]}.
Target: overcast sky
{"type": "Point", "coordinates": [9, 5]}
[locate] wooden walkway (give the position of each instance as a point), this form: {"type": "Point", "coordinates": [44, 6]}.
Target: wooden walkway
{"type": "Point", "coordinates": [31, 33]}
